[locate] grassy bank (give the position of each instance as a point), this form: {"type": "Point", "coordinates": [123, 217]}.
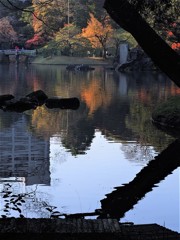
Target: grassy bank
{"type": "Point", "coordinates": [64, 60]}
{"type": "Point", "coordinates": [168, 113]}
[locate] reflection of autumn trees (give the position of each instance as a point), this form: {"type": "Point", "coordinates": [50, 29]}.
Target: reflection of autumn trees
{"type": "Point", "coordinates": [119, 114]}
{"type": "Point", "coordinates": [102, 107]}
{"type": "Point", "coordinates": [48, 122]}
{"type": "Point", "coordinates": [139, 122]}
{"type": "Point", "coordinates": [95, 96]}
{"type": "Point", "coordinates": [75, 130]}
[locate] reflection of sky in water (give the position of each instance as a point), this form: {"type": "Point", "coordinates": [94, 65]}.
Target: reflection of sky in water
{"type": "Point", "coordinates": [163, 200]}
{"type": "Point", "coordinates": [87, 178]}
{"type": "Point", "coordinates": [79, 183]}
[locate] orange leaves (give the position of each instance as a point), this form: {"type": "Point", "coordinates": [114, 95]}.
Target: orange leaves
{"type": "Point", "coordinates": [94, 97]}
{"type": "Point", "coordinates": [37, 24]}
{"type": "Point", "coordinates": [97, 32]}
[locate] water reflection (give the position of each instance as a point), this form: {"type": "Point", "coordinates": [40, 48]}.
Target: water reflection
{"type": "Point", "coordinates": [118, 106]}
{"type": "Point", "coordinates": [124, 198]}
{"type": "Point", "coordinates": [117, 203]}
{"type": "Point", "coordinates": [23, 154]}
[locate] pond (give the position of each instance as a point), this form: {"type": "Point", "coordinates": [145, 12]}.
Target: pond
{"type": "Point", "coordinates": [87, 161]}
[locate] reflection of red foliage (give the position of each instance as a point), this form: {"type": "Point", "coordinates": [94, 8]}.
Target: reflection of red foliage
{"type": "Point", "coordinates": [35, 41]}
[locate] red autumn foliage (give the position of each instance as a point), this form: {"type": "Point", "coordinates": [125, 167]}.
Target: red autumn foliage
{"type": "Point", "coordinates": [170, 34]}
{"type": "Point", "coordinates": [175, 46]}
{"type": "Point", "coordinates": [34, 42]}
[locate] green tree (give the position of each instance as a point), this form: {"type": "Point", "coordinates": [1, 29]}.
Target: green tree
{"type": "Point", "coordinates": [119, 36]}
{"type": "Point", "coordinates": [69, 40]}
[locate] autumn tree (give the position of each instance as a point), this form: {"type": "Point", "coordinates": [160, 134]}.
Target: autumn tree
{"type": "Point", "coordinates": [163, 17]}
{"type": "Point", "coordinates": [68, 39]}
{"type": "Point", "coordinates": [49, 15]}
{"type": "Point", "coordinates": [98, 32]}
{"type": "Point", "coordinates": [7, 33]}
{"type": "Point", "coordinates": [127, 17]}
{"type": "Point", "coordinates": [12, 10]}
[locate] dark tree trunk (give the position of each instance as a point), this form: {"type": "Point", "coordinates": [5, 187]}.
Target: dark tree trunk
{"type": "Point", "coordinates": [123, 13]}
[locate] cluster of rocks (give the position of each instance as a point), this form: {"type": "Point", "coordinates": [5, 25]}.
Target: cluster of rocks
{"type": "Point", "coordinates": [80, 67]}
{"type": "Point", "coordinates": [137, 60]}
{"type": "Point", "coordinates": [35, 99]}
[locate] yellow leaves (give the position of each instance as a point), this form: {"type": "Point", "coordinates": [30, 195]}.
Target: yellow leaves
{"type": "Point", "coordinates": [97, 32]}
{"type": "Point", "coordinates": [46, 121]}
{"type": "Point", "coordinates": [37, 24]}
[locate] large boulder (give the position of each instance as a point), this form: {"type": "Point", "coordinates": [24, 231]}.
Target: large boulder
{"type": "Point", "coordinates": [6, 97]}
{"type": "Point", "coordinates": [137, 61]}
{"type": "Point", "coordinates": [19, 106]}
{"type": "Point", "coordinates": [35, 99]}
{"type": "Point", "coordinates": [37, 96]}
{"type": "Point", "coordinates": [63, 103]}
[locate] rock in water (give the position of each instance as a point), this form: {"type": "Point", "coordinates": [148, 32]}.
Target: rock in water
{"type": "Point", "coordinates": [38, 95]}
{"type": "Point", "coordinates": [63, 103]}
{"type": "Point", "coordinates": [5, 97]}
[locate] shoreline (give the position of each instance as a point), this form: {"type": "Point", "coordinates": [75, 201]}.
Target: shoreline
{"type": "Point", "coordinates": [166, 116]}
{"type": "Point", "coordinates": [65, 60]}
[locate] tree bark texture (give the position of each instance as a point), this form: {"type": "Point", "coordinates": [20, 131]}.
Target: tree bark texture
{"type": "Point", "coordinates": [124, 14]}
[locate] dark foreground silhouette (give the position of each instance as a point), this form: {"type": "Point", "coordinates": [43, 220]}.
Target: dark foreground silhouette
{"type": "Point", "coordinates": [117, 203]}
{"type": "Point", "coordinates": [35, 99]}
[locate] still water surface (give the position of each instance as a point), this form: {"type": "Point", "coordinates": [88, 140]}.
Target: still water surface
{"type": "Point", "coordinates": [75, 159]}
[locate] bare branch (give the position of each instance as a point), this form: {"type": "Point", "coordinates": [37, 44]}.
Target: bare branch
{"type": "Point", "coordinates": [14, 7]}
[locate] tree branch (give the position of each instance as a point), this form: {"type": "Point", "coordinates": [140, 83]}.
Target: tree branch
{"type": "Point", "coordinates": [14, 7]}
{"type": "Point", "coordinates": [123, 13]}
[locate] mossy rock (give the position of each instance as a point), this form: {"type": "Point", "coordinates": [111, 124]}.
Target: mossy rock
{"type": "Point", "coordinates": [168, 113]}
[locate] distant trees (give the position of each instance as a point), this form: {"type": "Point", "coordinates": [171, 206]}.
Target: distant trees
{"type": "Point", "coordinates": [20, 24]}
{"type": "Point", "coordinates": [119, 36]}
{"type": "Point", "coordinates": [68, 39]}
{"type": "Point", "coordinates": [7, 34]}
{"type": "Point", "coordinates": [98, 33]}
{"type": "Point", "coordinates": [46, 22]}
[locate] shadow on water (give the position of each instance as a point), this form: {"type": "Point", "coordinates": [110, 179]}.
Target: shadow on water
{"type": "Point", "coordinates": [117, 203]}
{"type": "Point", "coordinates": [124, 198]}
